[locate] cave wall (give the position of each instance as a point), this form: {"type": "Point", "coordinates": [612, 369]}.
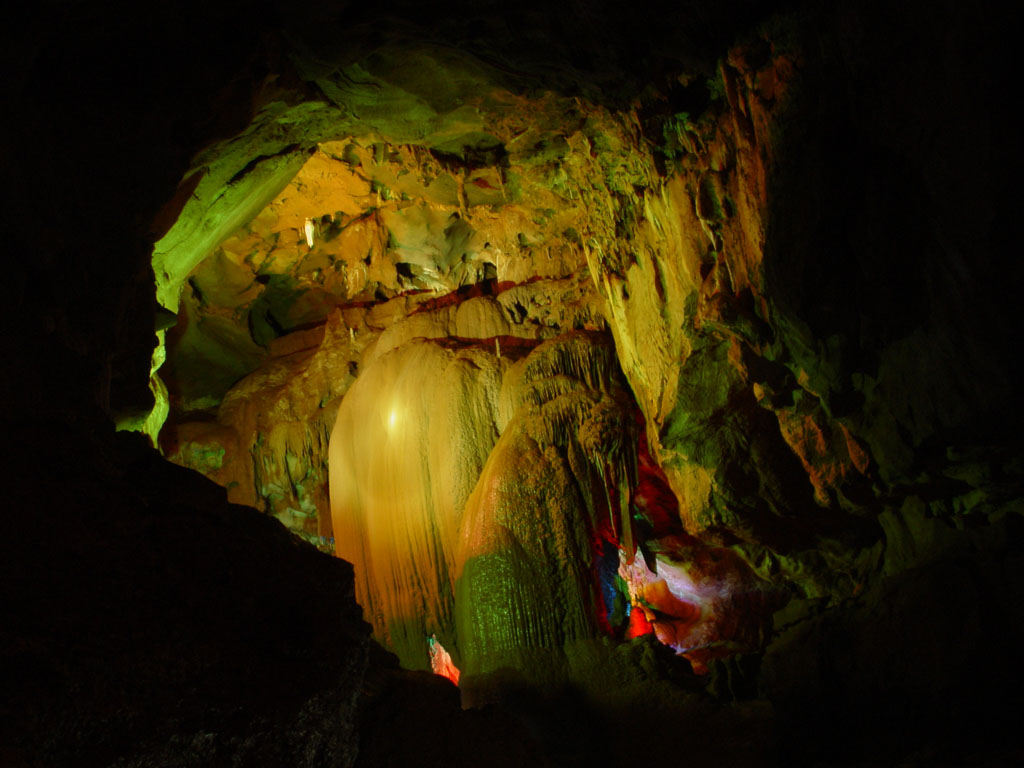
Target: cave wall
{"type": "Point", "coordinates": [806, 269]}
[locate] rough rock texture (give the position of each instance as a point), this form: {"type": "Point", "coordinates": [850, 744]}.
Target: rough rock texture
{"type": "Point", "coordinates": [267, 442]}
{"type": "Point", "coordinates": [795, 224]}
{"type": "Point", "coordinates": [436, 731]}
{"type": "Point", "coordinates": [159, 626]}
{"type": "Point", "coordinates": [523, 584]}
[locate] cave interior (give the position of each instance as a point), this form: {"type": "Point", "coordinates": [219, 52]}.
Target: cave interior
{"type": "Point", "coordinates": [500, 386]}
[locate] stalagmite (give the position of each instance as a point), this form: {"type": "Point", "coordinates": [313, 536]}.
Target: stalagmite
{"type": "Point", "coordinates": [441, 661]}
{"type": "Point", "coordinates": [526, 578]}
{"type": "Point", "coordinates": [466, 488]}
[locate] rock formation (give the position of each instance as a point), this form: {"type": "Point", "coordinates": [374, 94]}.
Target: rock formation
{"type": "Point", "coordinates": [657, 375]}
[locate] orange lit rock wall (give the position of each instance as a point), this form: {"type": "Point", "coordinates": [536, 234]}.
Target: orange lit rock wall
{"type": "Point", "coordinates": [576, 219]}
{"type": "Point", "coordinates": [435, 418]}
{"type": "Point", "coordinates": [692, 224]}
{"type": "Point", "coordinates": [267, 441]}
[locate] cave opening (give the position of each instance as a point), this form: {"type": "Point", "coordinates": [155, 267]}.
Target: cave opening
{"type": "Point", "coordinates": [657, 379]}
{"type": "Point", "coordinates": [382, 343]}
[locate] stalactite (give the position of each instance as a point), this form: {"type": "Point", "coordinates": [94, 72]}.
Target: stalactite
{"type": "Point", "coordinates": [410, 439]}
{"type": "Point", "coordinates": [466, 486]}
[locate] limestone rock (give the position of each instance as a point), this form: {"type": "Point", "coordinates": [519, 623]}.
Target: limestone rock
{"type": "Point", "coordinates": [268, 442]}
{"type": "Point", "coordinates": [797, 228]}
